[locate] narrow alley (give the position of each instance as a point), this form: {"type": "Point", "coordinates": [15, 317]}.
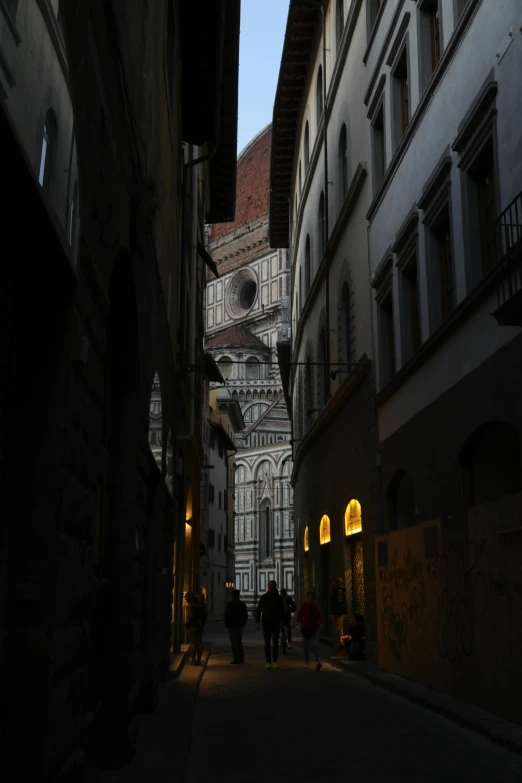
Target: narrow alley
{"type": "Point", "coordinates": [248, 724]}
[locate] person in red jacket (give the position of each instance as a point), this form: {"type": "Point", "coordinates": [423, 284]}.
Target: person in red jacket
{"type": "Point", "coordinates": [309, 618]}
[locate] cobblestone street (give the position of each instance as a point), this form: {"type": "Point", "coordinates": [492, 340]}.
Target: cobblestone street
{"type": "Point", "coordinates": [296, 724]}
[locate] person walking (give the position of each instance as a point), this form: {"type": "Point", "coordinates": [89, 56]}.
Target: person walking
{"type": "Point", "coordinates": [195, 620]}
{"type": "Point", "coordinates": [236, 616]}
{"type": "Point", "coordinates": [338, 610]}
{"type": "Point", "coordinates": [309, 618]}
{"type": "Point", "coordinates": [270, 611]}
{"type": "Point", "coordinates": [288, 608]}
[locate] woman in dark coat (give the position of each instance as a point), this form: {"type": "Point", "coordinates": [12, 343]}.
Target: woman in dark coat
{"type": "Point", "coordinates": [309, 618]}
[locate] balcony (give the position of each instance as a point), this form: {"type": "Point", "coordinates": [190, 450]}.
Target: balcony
{"type": "Point", "coordinates": [9, 40]}
{"type": "Point", "coordinates": [509, 264]}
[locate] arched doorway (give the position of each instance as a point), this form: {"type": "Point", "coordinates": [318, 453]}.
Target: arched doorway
{"type": "Point", "coordinates": [353, 558]}
{"type": "Point", "coordinates": [326, 570]}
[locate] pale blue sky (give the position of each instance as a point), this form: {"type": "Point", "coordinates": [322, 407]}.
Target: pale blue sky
{"type": "Point", "coordinates": [263, 24]}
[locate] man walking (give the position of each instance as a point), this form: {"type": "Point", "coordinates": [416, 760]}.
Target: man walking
{"type": "Point", "coordinates": [270, 609]}
{"type": "Point", "coordinates": [236, 616]}
{"type": "Point", "coordinates": [338, 610]}
{"type": "Point", "coordinates": [288, 608]}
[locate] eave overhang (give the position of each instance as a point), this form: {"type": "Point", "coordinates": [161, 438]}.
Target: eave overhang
{"type": "Point", "coordinates": [212, 370]}
{"type": "Point", "coordinates": [300, 36]}
{"type": "Point", "coordinates": [209, 94]}
{"type": "Point", "coordinates": [223, 434]}
{"type": "Point", "coordinates": [284, 359]}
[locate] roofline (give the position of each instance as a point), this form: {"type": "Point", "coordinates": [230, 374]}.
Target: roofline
{"type": "Point", "coordinates": [252, 142]}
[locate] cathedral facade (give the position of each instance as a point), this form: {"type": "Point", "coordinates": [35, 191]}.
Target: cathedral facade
{"type": "Point", "coordinates": [246, 316]}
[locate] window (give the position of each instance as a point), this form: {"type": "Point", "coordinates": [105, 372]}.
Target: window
{"type": "Point", "coordinates": [307, 146]}
{"type": "Point", "coordinates": [265, 519]}
{"type": "Point", "coordinates": [386, 337]}
{"type": "Point", "coordinates": [308, 390]}
{"type": "Point", "coordinates": [322, 371]}
{"type": "Point", "coordinates": [225, 367]}
{"type": "Point", "coordinates": [373, 7]}
{"type": "Point", "coordinates": [219, 575]}
{"type": "Point", "coordinates": [219, 501]}
{"type": "Point", "coordinates": [49, 140]}
{"type": "Point", "coordinates": [321, 226]}
{"type": "Point", "coordinates": [476, 144]}
{"type": "Point", "coordinates": [252, 369]}
{"type": "Point", "coordinates": [12, 7]}
{"type": "Point", "coordinates": [319, 95]}
{"type": "Point", "coordinates": [219, 542]}
{"type": "Point", "coordinates": [225, 543]}
{"type": "Point", "coordinates": [353, 518]}
{"type": "Point", "coordinates": [308, 264]}
{"type": "Point", "coordinates": [378, 146]}
{"type": "Point", "coordinates": [343, 160]}
{"type": "Point", "coordinates": [430, 33]}
{"type": "Point", "coordinates": [324, 530]}
{"type": "Point", "coordinates": [440, 268]}
{"type": "Point", "coordinates": [410, 315]}
{"type": "Point", "coordinates": [211, 539]}
{"type": "Point", "coordinates": [306, 545]}
{"type": "Point", "coordinates": [490, 463]}
{"type": "Point", "coordinates": [339, 23]}
{"type": "Point", "coordinates": [210, 493]}
{"type": "Point", "coordinates": [401, 501]}
{"type": "Point", "coordinates": [400, 96]}
{"type": "Point", "coordinates": [345, 329]}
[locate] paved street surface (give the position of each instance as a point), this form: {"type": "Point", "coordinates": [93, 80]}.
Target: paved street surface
{"type": "Point", "coordinates": [291, 724]}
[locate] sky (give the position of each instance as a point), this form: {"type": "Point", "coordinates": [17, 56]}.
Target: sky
{"type": "Point", "coordinates": [263, 24]}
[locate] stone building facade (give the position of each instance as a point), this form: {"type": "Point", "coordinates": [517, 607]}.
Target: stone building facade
{"type": "Point", "coordinates": [321, 192]}
{"type": "Point", "coordinates": [421, 106]}
{"type": "Point", "coordinates": [101, 348]}
{"type": "Point", "coordinates": [246, 317]}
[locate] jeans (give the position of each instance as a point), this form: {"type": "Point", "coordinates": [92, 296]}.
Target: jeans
{"type": "Point", "coordinates": [195, 637]}
{"type": "Point", "coordinates": [236, 640]}
{"type": "Point", "coordinates": [271, 634]}
{"type": "Point", "coordinates": [286, 623]}
{"type": "Point", "coordinates": [311, 643]}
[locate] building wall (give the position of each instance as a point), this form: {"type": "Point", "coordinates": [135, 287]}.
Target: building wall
{"type": "Point", "coordinates": [334, 425]}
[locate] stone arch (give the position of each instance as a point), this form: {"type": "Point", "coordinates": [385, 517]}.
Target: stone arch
{"type": "Point", "coordinates": [352, 517]}
{"type": "Point", "coordinates": [226, 367]}
{"type": "Point", "coordinates": [324, 530]}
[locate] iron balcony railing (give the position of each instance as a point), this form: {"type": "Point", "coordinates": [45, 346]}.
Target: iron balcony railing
{"type": "Point", "coordinates": [509, 258]}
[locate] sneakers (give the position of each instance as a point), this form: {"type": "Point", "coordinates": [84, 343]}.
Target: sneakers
{"type": "Point", "coordinates": [275, 665]}
{"type": "Point", "coordinates": [319, 666]}
{"type": "Point", "coordinates": [268, 665]}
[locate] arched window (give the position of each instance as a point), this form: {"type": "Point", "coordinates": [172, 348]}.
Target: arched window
{"type": "Point", "coordinates": [353, 518]}
{"type": "Point", "coordinates": [241, 395]}
{"type": "Point", "coordinates": [262, 394]}
{"type": "Point", "coordinates": [324, 530]}
{"type": "Point", "coordinates": [249, 394]}
{"type": "Point", "coordinates": [306, 544]}
{"type": "Point", "coordinates": [266, 521]}
{"type": "Point", "coordinates": [49, 141]}
{"type": "Point", "coordinates": [308, 264]}
{"type": "Point", "coordinates": [319, 95]}
{"type": "Point", "coordinates": [345, 329]}
{"type": "Point", "coordinates": [269, 394]}
{"type": "Point", "coordinates": [307, 146]}
{"type": "Point", "coordinates": [322, 369]}
{"type": "Point", "coordinates": [252, 369]}
{"type": "Point", "coordinates": [339, 23]}
{"type": "Point", "coordinates": [343, 160]}
{"type": "Point", "coordinates": [235, 395]}
{"type": "Point", "coordinates": [255, 394]}
{"type": "Point", "coordinates": [321, 226]}
{"type": "Point", "coordinates": [225, 366]}
{"type": "Point", "coordinates": [401, 501]}
{"type": "Point", "coordinates": [490, 462]}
